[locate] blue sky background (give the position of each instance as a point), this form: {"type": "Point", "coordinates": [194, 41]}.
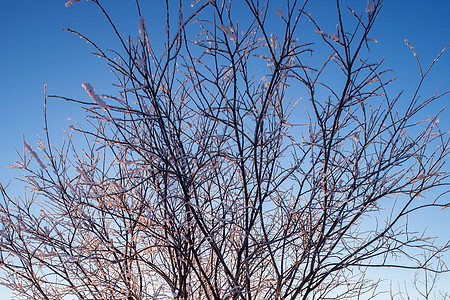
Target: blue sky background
{"type": "Point", "coordinates": [34, 50]}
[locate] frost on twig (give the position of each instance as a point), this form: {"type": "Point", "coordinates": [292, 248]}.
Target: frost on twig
{"type": "Point", "coordinates": [334, 37]}
{"type": "Point", "coordinates": [370, 6]}
{"type": "Point", "coordinates": [34, 154]}
{"type": "Point", "coordinates": [279, 12]}
{"type": "Point", "coordinates": [195, 2]}
{"type": "Point", "coordinates": [71, 2]}
{"type": "Point", "coordinates": [273, 41]}
{"type": "Point", "coordinates": [228, 30]}
{"type": "Point", "coordinates": [142, 27]}
{"type": "Point", "coordinates": [91, 92]}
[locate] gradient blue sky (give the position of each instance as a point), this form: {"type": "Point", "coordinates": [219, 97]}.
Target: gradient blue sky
{"type": "Point", "coordinates": [35, 51]}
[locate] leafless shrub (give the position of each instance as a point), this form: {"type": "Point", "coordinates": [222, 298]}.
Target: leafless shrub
{"type": "Point", "coordinates": [200, 180]}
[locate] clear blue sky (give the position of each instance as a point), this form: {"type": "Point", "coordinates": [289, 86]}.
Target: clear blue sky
{"type": "Point", "coordinates": [35, 50]}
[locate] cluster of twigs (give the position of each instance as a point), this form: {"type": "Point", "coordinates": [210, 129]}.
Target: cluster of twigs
{"type": "Point", "coordinates": [203, 178]}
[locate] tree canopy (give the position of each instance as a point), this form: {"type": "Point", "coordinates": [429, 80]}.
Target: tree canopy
{"type": "Point", "coordinates": [233, 164]}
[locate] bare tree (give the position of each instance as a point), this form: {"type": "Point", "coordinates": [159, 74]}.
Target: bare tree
{"type": "Point", "coordinates": [238, 164]}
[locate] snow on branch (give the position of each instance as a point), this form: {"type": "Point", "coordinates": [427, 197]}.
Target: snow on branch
{"type": "Point", "coordinates": [91, 92]}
